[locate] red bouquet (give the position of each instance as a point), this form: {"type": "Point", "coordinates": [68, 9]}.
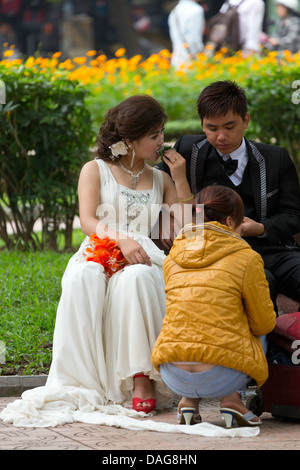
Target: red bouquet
{"type": "Point", "coordinates": [105, 252]}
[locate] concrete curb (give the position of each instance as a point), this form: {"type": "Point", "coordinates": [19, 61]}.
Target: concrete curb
{"type": "Point", "coordinates": [15, 385]}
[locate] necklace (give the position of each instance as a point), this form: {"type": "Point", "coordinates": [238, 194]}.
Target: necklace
{"type": "Point", "coordinates": [134, 178]}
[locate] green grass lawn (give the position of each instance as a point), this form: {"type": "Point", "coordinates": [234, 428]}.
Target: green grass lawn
{"type": "Point", "coordinates": [30, 288]}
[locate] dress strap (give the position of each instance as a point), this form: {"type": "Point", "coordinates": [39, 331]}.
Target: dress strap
{"type": "Point", "coordinates": [158, 181]}
{"type": "Point", "coordinates": [102, 165]}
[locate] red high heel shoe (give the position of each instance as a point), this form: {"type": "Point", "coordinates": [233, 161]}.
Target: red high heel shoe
{"type": "Point", "coordinates": [137, 403]}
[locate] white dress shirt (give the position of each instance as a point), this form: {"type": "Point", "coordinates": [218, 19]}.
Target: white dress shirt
{"type": "Point", "coordinates": [239, 154]}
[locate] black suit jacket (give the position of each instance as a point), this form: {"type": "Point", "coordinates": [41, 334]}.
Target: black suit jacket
{"type": "Point", "coordinates": [274, 182]}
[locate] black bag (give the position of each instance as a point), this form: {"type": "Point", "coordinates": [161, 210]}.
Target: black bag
{"type": "Point", "coordinates": [224, 30]}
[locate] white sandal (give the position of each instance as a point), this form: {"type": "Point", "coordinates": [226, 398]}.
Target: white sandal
{"type": "Point", "coordinates": [188, 416]}
{"type": "Point", "coordinates": [229, 415]}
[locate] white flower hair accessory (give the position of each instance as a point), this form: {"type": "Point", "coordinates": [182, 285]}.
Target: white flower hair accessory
{"type": "Point", "coordinates": [119, 148]}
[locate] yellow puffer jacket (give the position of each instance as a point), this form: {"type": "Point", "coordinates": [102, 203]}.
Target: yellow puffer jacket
{"type": "Point", "coordinates": [218, 302]}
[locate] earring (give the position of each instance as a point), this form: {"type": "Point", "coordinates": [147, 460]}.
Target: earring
{"type": "Point", "coordinates": [132, 159]}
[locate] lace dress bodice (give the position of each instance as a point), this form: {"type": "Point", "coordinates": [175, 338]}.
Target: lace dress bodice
{"type": "Point", "coordinates": [129, 211]}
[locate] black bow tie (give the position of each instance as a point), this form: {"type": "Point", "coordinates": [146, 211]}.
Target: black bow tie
{"type": "Point", "coordinates": [229, 165]}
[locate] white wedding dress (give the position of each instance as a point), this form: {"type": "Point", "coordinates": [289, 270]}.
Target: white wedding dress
{"type": "Point", "coordinates": [106, 328]}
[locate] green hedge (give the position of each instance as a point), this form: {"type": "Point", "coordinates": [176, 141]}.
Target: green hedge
{"type": "Point", "coordinates": [45, 130]}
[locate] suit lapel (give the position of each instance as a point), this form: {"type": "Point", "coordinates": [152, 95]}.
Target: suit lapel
{"type": "Point", "coordinates": [198, 156]}
{"type": "Point", "coordinates": [258, 179]}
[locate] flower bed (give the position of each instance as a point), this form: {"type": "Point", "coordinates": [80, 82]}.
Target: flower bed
{"type": "Point", "coordinates": [270, 82]}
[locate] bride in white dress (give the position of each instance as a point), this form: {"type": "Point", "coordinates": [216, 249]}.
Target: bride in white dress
{"type": "Point", "coordinates": [106, 327]}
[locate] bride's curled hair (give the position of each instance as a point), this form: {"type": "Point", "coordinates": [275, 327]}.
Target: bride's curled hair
{"type": "Point", "coordinates": [135, 117]}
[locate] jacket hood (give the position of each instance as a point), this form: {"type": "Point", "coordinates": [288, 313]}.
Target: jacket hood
{"type": "Point", "coordinates": [201, 245]}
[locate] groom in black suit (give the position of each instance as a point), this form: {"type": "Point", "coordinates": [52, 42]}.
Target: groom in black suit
{"type": "Point", "coordinates": [264, 176]}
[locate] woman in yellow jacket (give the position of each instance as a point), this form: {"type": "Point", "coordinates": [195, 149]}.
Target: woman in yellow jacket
{"type": "Point", "coordinates": [218, 312]}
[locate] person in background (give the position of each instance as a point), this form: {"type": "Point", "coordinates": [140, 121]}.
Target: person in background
{"type": "Point", "coordinates": [218, 304]}
{"type": "Point", "coordinates": [288, 30]}
{"type": "Point", "coordinates": [186, 26]}
{"type": "Point", "coordinates": [251, 17]}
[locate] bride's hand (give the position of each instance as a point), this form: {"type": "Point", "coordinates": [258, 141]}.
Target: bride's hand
{"type": "Point", "coordinates": [176, 163]}
{"type": "Point", "coordinates": [133, 252]}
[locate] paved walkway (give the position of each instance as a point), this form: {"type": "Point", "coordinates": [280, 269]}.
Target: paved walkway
{"type": "Point", "coordinates": [274, 435]}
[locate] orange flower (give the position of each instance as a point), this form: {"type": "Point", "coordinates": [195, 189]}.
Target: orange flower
{"type": "Point", "coordinates": [79, 60]}
{"type": "Point", "coordinates": [105, 252]}
{"type": "Point", "coordinates": [8, 53]}
{"type": "Point", "coordinates": [165, 53]}
{"type": "Point", "coordinates": [101, 58]}
{"type": "Point", "coordinates": [91, 53]}
{"type": "Point", "coordinates": [29, 62]}
{"type": "Point", "coordinates": [120, 52]}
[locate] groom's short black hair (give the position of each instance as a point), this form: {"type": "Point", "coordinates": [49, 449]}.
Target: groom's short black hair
{"type": "Point", "coordinates": [220, 98]}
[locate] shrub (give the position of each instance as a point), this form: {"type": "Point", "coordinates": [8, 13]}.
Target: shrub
{"type": "Point", "coordinates": [45, 132]}
{"type": "Point", "coordinates": [273, 97]}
